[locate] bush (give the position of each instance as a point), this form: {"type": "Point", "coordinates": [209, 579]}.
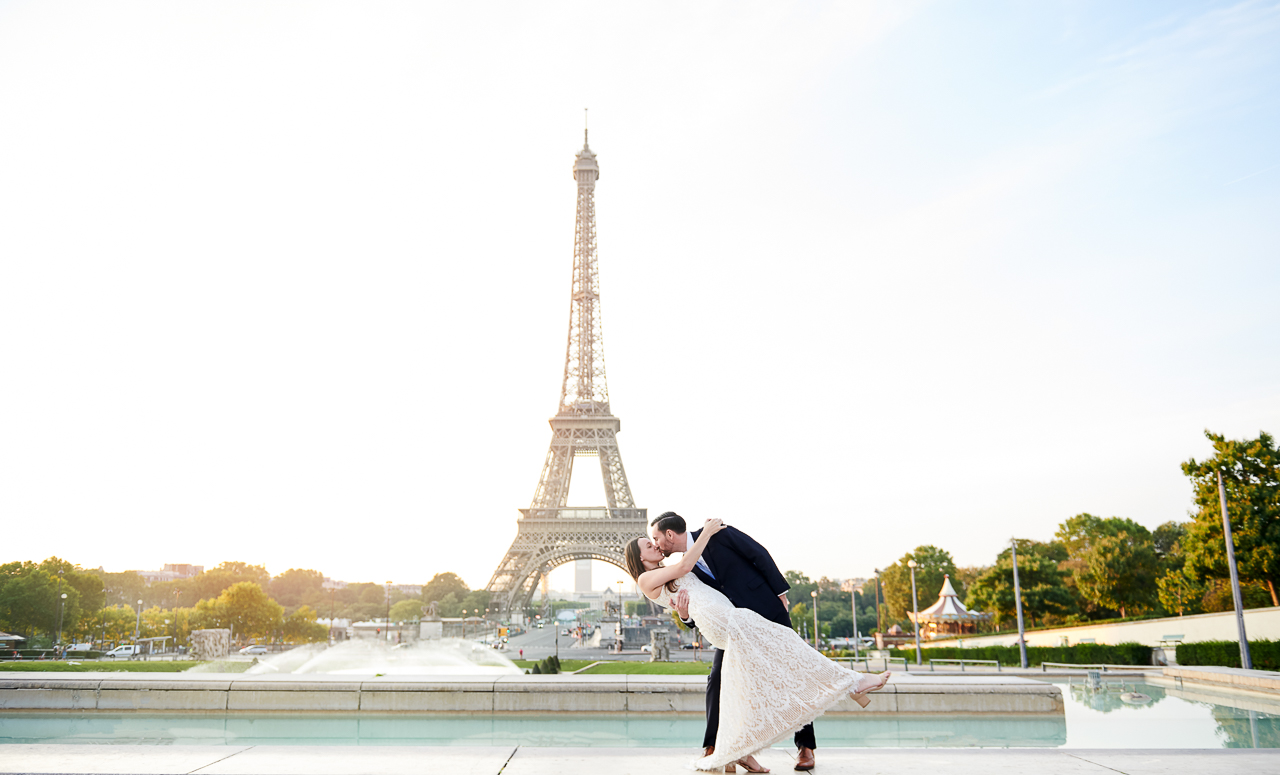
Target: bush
{"type": "Point", "coordinates": [550, 666]}
{"type": "Point", "coordinates": [1079, 654]}
{"type": "Point", "coordinates": [1226, 653]}
{"type": "Point", "coordinates": [537, 670]}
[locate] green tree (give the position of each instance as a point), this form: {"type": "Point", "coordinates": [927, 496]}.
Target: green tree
{"type": "Point", "coordinates": [122, 588]}
{"type": "Point", "coordinates": [27, 599]}
{"type": "Point", "coordinates": [443, 584]}
{"type": "Point", "coordinates": [1044, 591]}
{"type": "Point", "coordinates": [449, 606]}
{"type": "Point", "coordinates": [212, 583]}
{"type": "Point", "coordinates": [245, 608]}
{"type": "Point", "coordinates": [301, 627]}
{"type": "Point", "coordinates": [476, 601]}
{"type": "Point", "coordinates": [1120, 573]}
{"type": "Point", "coordinates": [933, 563]}
{"type": "Point", "coordinates": [1179, 592]}
{"type": "Point", "coordinates": [297, 586]}
{"type": "Point", "coordinates": [1080, 532]}
{"type": "Point", "coordinates": [406, 611]}
{"type": "Point", "coordinates": [1078, 535]}
{"type": "Point", "coordinates": [1251, 477]}
{"type": "Point", "coordinates": [800, 616]}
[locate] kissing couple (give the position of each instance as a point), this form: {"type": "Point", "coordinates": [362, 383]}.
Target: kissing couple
{"type": "Point", "coordinates": [766, 682]}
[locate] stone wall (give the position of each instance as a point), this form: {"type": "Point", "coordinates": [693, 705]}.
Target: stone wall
{"type": "Point", "coordinates": [1261, 624]}
{"type": "Point", "coordinates": [210, 644]}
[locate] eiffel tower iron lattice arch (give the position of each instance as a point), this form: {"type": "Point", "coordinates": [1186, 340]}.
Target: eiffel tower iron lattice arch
{"type": "Point", "coordinates": [551, 533]}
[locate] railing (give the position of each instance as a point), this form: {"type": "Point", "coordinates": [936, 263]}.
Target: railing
{"type": "Point", "coordinates": [1044, 666]}
{"type": "Point", "coordinates": [868, 660]}
{"type": "Point", "coordinates": [962, 663]}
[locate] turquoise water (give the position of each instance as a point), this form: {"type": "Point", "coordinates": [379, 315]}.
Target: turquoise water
{"type": "Point", "coordinates": [621, 730]}
{"type": "Point", "coordinates": [1093, 719]}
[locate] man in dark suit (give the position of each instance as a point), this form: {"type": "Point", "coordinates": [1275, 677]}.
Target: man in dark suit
{"type": "Point", "coordinates": [743, 571]}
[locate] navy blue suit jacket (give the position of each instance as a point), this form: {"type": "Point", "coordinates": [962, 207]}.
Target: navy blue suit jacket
{"type": "Point", "coordinates": [744, 573]}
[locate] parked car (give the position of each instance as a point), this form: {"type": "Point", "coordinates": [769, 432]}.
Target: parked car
{"type": "Point", "coordinates": [691, 646]}
{"type": "Point", "coordinates": [80, 647]}
{"type": "Point", "coordinates": [254, 649]}
{"type": "Point", "coordinates": [646, 648]}
{"type": "Point", "coordinates": [121, 651]}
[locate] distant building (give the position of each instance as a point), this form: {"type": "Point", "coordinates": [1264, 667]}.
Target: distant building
{"type": "Point", "coordinates": [582, 576]}
{"type": "Point", "coordinates": [171, 572]}
{"type": "Point", "coordinates": [413, 590]}
{"type": "Point", "coordinates": [329, 583]}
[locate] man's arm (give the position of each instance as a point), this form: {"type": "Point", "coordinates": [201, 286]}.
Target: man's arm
{"type": "Point", "coordinates": [757, 555]}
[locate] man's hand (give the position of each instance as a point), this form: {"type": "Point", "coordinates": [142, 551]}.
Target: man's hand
{"type": "Point", "coordinates": [682, 603]}
{"type": "Point", "coordinates": [785, 603]}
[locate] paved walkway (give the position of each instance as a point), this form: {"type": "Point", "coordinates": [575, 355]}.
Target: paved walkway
{"type": "Point", "coordinates": [510, 760]}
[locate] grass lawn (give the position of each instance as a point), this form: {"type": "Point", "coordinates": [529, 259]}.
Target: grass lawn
{"type": "Point", "coordinates": [106, 666]}
{"type": "Point", "coordinates": [650, 668]}
{"type": "Point", "coordinates": [565, 664]}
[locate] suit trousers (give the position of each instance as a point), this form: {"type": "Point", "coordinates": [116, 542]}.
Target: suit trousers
{"type": "Point", "coordinates": [804, 738]}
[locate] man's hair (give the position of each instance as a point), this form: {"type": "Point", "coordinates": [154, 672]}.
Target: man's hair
{"type": "Point", "coordinates": [669, 521]}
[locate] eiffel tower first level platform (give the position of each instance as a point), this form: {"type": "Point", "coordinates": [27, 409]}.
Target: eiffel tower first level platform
{"type": "Point", "coordinates": [550, 532]}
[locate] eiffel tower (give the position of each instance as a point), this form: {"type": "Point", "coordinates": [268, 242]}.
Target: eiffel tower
{"type": "Point", "coordinates": [551, 533]}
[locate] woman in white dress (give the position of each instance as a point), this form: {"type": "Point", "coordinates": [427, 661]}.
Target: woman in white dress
{"type": "Point", "coordinates": [772, 682]}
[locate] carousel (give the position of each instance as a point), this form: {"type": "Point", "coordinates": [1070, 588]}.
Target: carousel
{"type": "Point", "coordinates": [948, 616]}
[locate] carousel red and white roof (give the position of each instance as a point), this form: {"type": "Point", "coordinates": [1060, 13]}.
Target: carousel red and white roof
{"type": "Point", "coordinates": [948, 608]}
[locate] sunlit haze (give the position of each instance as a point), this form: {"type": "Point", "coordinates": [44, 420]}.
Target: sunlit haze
{"type": "Point", "coordinates": [288, 283]}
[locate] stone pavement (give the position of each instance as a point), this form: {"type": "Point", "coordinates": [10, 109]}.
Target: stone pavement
{"type": "Point", "coordinates": [512, 760]}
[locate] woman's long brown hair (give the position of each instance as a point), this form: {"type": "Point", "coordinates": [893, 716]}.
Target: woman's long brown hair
{"type": "Point", "coordinates": [635, 566]}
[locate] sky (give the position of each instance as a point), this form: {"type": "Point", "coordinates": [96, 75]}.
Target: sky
{"type": "Point", "coordinates": [287, 282]}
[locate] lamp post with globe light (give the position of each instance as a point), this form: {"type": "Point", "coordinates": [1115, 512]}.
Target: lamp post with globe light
{"type": "Point", "coordinates": [814, 595]}
{"type": "Point", "coordinates": [62, 603]}
{"type": "Point", "coordinates": [137, 625]}
{"type": "Point", "coordinates": [915, 607]}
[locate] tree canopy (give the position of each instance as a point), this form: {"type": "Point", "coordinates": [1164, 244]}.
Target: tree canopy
{"type": "Point", "coordinates": [932, 565]}
{"type": "Point", "coordinates": [1251, 477]}
{"type": "Point", "coordinates": [442, 585]}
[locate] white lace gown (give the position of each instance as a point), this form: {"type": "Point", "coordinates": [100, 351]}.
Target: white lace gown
{"type": "Point", "coordinates": [772, 683]}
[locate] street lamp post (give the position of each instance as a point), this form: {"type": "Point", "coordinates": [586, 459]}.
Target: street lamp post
{"type": "Point", "coordinates": [388, 610]}
{"type": "Point", "coordinates": [1246, 660]}
{"type": "Point", "coordinates": [1017, 601]}
{"type": "Point", "coordinates": [814, 595]}
{"type": "Point", "coordinates": [61, 596]}
{"type": "Point", "coordinates": [876, 592]}
{"type": "Point", "coordinates": [853, 596]}
{"type": "Point", "coordinates": [137, 626]}
{"type": "Point", "coordinates": [62, 602]}
{"type": "Point", "coordinates": [915, 607]}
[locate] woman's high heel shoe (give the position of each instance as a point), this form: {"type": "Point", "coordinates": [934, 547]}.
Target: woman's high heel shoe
{"type": "Point", "coordinates": [861, 697]}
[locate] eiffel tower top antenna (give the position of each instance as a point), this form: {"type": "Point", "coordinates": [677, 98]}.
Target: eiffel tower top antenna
{"type": "Point", "coordinates": [584, 390]}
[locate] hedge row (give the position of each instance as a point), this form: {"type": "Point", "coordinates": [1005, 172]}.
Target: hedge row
{"type": "Point", "coordinates": [48, 654]}
{"type": "Point", "coordinates": [1080, 654]}
{"type": "Point", "coordinates": [1226, 653]}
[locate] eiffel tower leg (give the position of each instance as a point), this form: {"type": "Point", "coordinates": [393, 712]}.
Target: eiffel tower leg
{"type": "Point", "coordinates": [553, 485]}
{"type": "Point", "coordinates": [617, 491]}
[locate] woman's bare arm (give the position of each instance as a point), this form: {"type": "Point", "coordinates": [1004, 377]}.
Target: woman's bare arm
{"type": "Point", "coordinates": [652, 580]}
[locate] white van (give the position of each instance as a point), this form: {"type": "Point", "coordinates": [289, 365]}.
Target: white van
{"type": "Point", "coordinates": [121, 651]}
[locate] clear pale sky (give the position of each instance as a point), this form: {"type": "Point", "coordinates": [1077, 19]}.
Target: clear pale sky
{"type": "Point", "coordinates": [288, 282]}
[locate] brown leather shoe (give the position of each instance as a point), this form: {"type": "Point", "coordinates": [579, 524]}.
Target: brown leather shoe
{"type": "Point", "coordinates": [730, 767]}
{"type": "Point", "coordinates": [804, 760]}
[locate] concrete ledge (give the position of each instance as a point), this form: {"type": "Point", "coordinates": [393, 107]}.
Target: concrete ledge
{"type": "Point", "coordinates": [513, 694]}
{"type": "Point", "coordinates": [1256, 680]}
